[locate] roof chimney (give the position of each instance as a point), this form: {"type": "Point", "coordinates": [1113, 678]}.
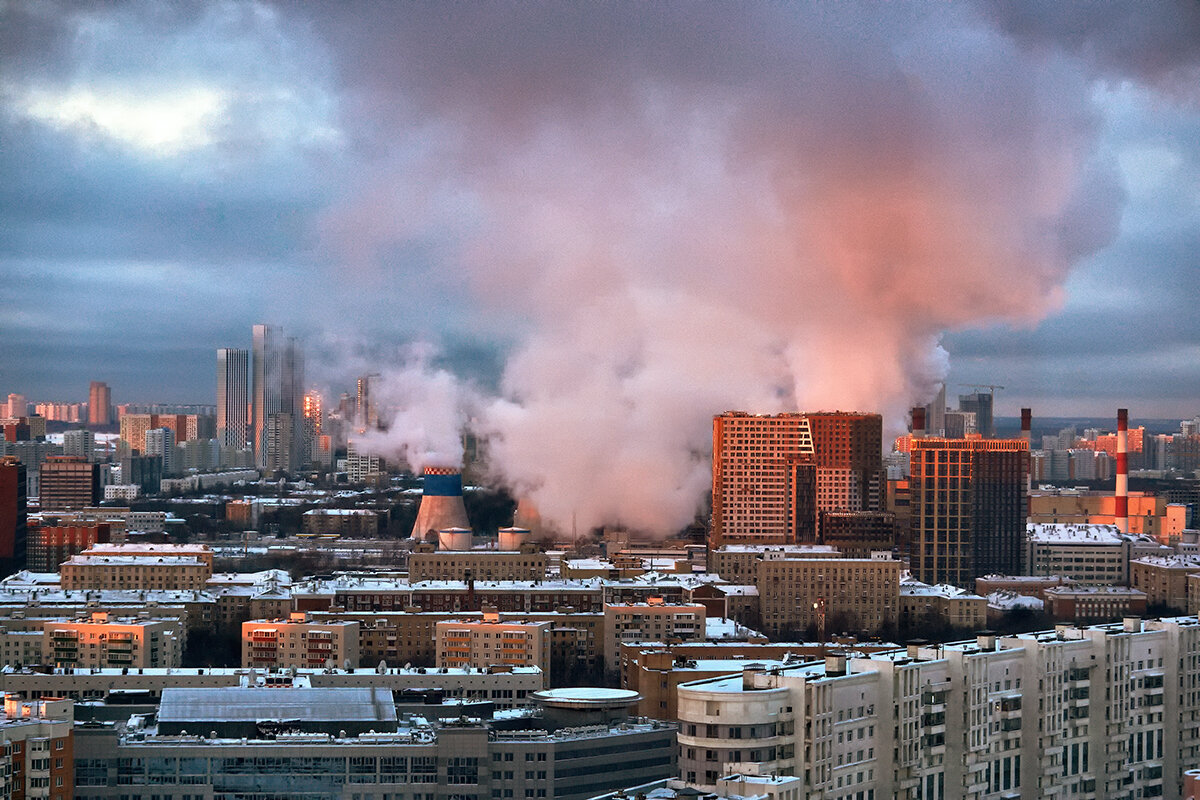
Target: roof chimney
{"type": "Point", "coordinates": [918, 422]}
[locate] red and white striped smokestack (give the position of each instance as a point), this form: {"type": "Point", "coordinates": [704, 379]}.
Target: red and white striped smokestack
{"type": "Point", "coordinates": [1122, 510]}
{"type": "Point", "coordinates": [1026, 424]}
{"type": "Point", "coordinates": [918, 422]}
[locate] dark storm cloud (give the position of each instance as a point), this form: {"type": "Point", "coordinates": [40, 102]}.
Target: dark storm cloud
{"type": "Point", "coordinates": [480, 172]}
{"type": "Point", "coordinates": [1157, 43]}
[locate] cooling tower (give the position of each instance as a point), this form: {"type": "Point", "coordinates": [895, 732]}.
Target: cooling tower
{"type": "Point", "coordinates": [512, 538]}
{"type": "Point", "coordinates": [454, 539]}
{"type": "Point", "coordinates": [441, 504]}
{"type": "Point", "coordinates": [1122, 511]}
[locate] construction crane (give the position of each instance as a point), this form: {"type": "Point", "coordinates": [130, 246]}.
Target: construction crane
{"type": "Point", "coordinates": [991, 387]}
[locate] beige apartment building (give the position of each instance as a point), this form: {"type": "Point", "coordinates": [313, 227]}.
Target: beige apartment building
{"type": "Point", "coordinates": [653, 621]}
{"type": "Point", "coordinates": [491, 642]}
{"type": "Point", "coordinates": [1164, 580]}
{"type": "Point", "coordinates": [480, 565]}
{"type": "Point", "coordinates": [300, 642]}
{"type": "Point", "coordinates": [104, 641]}
{"type": "Point", "coordinates": [738, 563]}
{"type": "Point", "coordinates": [86, 571]}
{"type": "Point", "coordinates": [855, 594]}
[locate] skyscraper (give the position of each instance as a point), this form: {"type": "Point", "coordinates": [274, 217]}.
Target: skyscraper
{"type": "Point", "coordinates": [278, 389]}
{"type": "Point", "coordinates": [233, 397]}
{"type": "Point", "coordinates": [968, 507]}
{"type": "Point", "coordinates": [99, 403]}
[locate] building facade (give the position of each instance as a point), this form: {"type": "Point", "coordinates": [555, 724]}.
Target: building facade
{"type": "Point", "coordinates": [299, 642]}
{"type": "Point", "coordinates": [68, 482]}
{"type": "Point", "coordinates": [1100, 712]}
{"type": "Point", "coordinates": [968, 508]}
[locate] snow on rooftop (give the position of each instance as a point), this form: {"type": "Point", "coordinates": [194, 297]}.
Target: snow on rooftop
{"type": "Point", "coordinates": [1078, 533]}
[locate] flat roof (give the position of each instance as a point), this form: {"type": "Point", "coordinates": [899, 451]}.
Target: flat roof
{"type": "Point", "coordinates": [254, 704]}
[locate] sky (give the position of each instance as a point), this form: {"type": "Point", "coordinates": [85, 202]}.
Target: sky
{"type": "Point", "coordinates": [649, 211]}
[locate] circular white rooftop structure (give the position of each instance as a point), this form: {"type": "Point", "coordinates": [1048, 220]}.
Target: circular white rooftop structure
{"type": "Point", "coordinates": [587, 698]}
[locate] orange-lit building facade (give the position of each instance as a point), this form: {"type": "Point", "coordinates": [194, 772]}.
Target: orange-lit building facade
{"type": "Point", "coordinates": [773, 474]}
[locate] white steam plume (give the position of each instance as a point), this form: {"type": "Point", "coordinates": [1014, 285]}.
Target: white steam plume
{"type": "Point", "coordinates": [687, 211]}
{"type": "Point", "coordinates": [422, 410]}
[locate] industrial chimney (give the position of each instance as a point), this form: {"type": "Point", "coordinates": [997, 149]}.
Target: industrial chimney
{"type": "Point", "coordinates": [441, 504]}
{"type": "Point", "coordinates": [1122, 499]}
{"type": "Point", "coordinates": [1026, 424]}
{"type": "Point", "coordinates": [918, 422]}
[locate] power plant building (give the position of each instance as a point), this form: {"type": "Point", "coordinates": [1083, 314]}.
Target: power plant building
{"type": "Point", "coordinates": [441, 504]}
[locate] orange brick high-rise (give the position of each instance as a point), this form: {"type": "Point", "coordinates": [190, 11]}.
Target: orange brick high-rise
{"type": "Point", "coordinates": [774, 474]}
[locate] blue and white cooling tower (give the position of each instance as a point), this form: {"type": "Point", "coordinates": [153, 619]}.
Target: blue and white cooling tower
{"type": "Point", "coordinates": [441, 504]}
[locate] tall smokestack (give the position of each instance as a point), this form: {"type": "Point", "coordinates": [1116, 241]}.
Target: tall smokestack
{"type": "Point", "coordinates": [918, 422]}
{"type": "Point", "coordinates": [1026, 424]}
{"type": "Point", "coordinates": [441, 504]}
{"type": "Point", "coordinates": [1122, 511]}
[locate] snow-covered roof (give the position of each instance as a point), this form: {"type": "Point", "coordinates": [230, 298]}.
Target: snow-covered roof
{"type": "Point", "coordinates": [1066, 533]}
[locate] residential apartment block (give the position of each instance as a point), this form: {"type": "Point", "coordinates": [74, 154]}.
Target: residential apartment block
{"type": "Point", "coordinates": [1109, 711]}
{"type": "Point", "coordinates": [299, 642]}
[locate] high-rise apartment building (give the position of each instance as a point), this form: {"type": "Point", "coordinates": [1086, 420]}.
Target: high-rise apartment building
{"type": "Point", "coordinates": [773, 475]}
{"type": "Point", "coordinates": [79, 442]}
{"type": "Point", "coordinates": [233, 397]}
{"type": "Point", "coordinates": [17, 406]}
{"type": "Point", "coordinates": [99, 404]}
{"type": "Point", "coordinates": [161, 442]}
{"type": "Point", "coordinates": [968, 506]}
{"type": "Point", "coordinates": [12, 514]}
{"type": "Point", "coordinates": [68, 482]}
{"type": "Point", "coordinates": [278, 368]}
{"type": "Point", "coordinates": [1100, 712]}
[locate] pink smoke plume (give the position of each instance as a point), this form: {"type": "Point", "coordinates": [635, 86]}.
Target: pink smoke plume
{"type": "Point", "coordinates": [676, 212]}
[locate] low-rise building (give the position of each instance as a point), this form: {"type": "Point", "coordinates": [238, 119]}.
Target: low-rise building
{"type": "Point", "coordinates": [505, 688]}
{"type": "Point", "coordinates": [853, 594]}
{"type": "Point", "coordinates": [105, 641]}
{"type": "Point", "coordinates": [86, 571]}
{"type": "Point", "coordinates": [655, 621]}
{"type": "Point", "coordinates": [477, 565]}
{"type": "Point", "coordinates": [354, 522]}
{"type": "Point", "coordinates": [1092, 604]}
{"type": "Point", "coordinates": [1091, 554]}
{"type": "Point", "coordinates": [738, 563]}
{"type": "Point", "coordinates": [922, 604]}
{"type": "Point", "coordinates": [337, 743]}
{"type": "Point", "coordinates": [299, 641]}
{"type": "Point", "coordinates": [1164, 580]}
{"type": "Point", "coordinates": [492, 641]}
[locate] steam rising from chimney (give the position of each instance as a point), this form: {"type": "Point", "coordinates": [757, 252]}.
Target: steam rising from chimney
{"type": "Point", "coordinates": [786, 217]}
